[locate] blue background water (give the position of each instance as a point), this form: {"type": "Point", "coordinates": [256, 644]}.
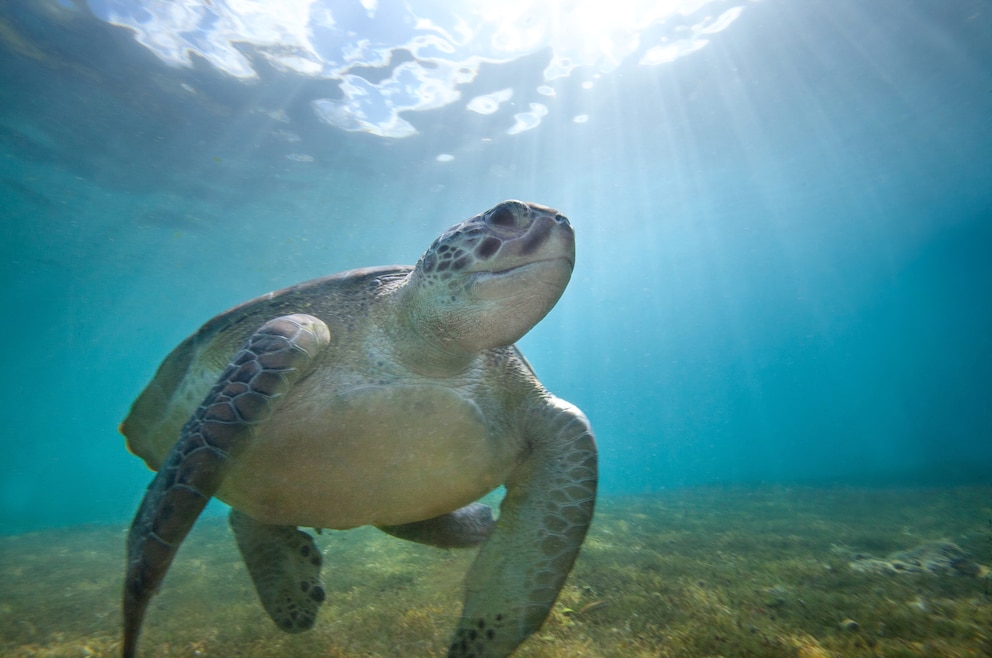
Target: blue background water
{"type": "Point", "coordinates": [784, 258]}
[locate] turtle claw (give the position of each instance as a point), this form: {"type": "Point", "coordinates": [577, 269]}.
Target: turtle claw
{"type": "Point", "coordinates": [245, 394]}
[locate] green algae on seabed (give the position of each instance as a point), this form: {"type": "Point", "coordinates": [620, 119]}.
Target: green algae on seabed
{"type": "Point", "coordinates": [690, 573]}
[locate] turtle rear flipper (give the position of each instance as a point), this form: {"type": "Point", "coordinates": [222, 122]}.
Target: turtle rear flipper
{"type": "Point", "coordinates": [272, 360]}
{"type": "Point", "coordinates": [466, 527]}
{"type": "Point", "coordinates": [284, 564]}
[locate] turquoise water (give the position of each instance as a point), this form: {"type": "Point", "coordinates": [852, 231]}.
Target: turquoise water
{"type": "Point", "coordinates": [783, 213]}
{"type": "Point", "coordinates": [779, 323]}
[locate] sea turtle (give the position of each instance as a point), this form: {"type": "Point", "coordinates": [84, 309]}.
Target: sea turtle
{"type": "Point", "coordinates": [386, 396]}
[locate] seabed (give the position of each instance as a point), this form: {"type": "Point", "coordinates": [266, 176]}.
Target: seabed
{"type": "Point", "coordinates": [736, 571]}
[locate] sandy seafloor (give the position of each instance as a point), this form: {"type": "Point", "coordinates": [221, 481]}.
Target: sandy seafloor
{"type": "Point", "coordinates": [735, 571]}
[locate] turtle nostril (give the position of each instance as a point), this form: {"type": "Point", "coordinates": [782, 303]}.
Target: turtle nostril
{"type": "Point", "coordinates": [561, 219]}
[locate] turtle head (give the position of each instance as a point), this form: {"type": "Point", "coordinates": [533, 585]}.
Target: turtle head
{"type": "Point", "coordinates": [486, 281]}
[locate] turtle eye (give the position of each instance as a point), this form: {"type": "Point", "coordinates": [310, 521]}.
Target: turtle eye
{"type": "Point", "coordinates": [502, 216]}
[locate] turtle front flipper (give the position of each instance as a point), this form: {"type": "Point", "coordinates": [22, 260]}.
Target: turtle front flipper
{"type": "Point", "coordinates": [519, 571]}
{"type": "Point", "coordinates": [275, 357]}
{"type": "Point", "coordinates": [466, 527]}
{"type": "Point", "coordinates": [284, 564]}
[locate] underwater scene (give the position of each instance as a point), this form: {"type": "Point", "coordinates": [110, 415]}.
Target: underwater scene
{"type": "Point", "coordinates": [743, 248]}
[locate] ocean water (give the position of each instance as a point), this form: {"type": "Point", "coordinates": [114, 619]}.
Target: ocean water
{"type": "Point", "coordinates": [783, 283]}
